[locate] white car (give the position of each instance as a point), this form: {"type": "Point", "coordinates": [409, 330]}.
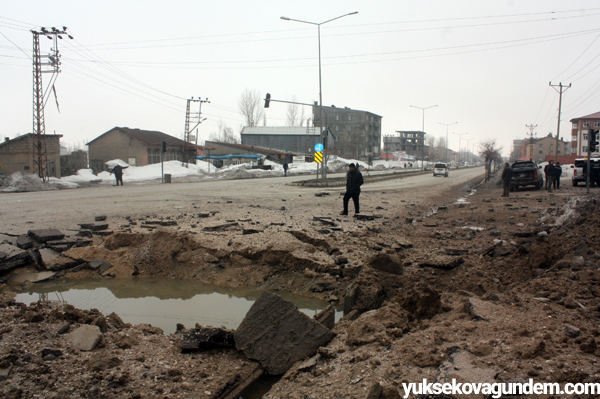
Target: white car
{"type": "Point", "coordinates": [440, 168]}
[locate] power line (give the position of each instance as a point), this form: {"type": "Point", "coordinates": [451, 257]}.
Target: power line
{"type": "Point", "coordinates": [577, 59]}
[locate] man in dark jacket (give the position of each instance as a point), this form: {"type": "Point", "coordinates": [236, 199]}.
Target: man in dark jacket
{"type": "Point", "coordinates": [354, 180]}
{"type": "Point", "coordinates": [548, 173]}
{"type": "Point", "coordinates": [118, 171]}
{"type": "Point", "coordinates": [557, 174]}
{"type": "Point", "coordinates": [507, 174]}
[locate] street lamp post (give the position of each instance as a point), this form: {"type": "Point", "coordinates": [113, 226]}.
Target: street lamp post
{"type": "Point", "coordinates": [423, 130]}
{"type": "Point", "coordinates": [318, 24]}
{"type": "Point", "coordinates": [447, 124]}
{"type": "Point", "coordinates": [468, 142]}
{"type": "Point", "coordinates": [459, 137]}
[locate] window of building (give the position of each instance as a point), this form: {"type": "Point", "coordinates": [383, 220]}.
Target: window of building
{"type": "Point", "coordinates": [584, 148]}
{"type": "Point", "coordinates": [349, 117]}
{"type": "Point", "coordinates": [574, 125]}
{"type": "Point", "coordinates": [596, 123]}
{"type": "Point", "coordinates": [585, 136]}
{"type": "Point", "coordinates": [586, 123]}
{"type": "Point", "coordinates": [541, 152]}
{"type": "Point", "coordinates": [337, 117]}
{"type": "Point", "coordinates": [337, 128]}
{"type": "Point", "coordinates": [350, 128]}
{"type": "Point", "coordinates": [573, 138]}
{"type": "Point", "coordinates": [541, 145]}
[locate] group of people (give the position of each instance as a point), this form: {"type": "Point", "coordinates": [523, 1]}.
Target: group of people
{"type": "Point", "coordinates": [552, 173]}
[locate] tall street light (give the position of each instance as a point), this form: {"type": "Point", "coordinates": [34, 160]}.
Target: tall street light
{"type": "Point", "coordinates": [459, 137]}
{"type": "Point", "coordinates": [447, 124]}
{"type": "Point", "coordinates": [423, 130]}
{"type": "Point", "coordinates": [468, 143]}
{"type": "Point", "coordinates": [318, 24]}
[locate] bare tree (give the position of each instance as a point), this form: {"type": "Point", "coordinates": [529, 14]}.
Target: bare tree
{"type": "Point", "coordinates": [293, 114]}
{"type": "Point", "coordinates": [490, 153]}
{"type": "Point", "coordinates": [225, 134]}
{"type": "Point", "coordinates": [430, 143]}
{"type": "Point", "coordinates": [251, 108]}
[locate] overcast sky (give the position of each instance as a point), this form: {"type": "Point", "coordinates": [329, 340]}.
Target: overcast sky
{"type": "Point", "coordinates": [486, 64]}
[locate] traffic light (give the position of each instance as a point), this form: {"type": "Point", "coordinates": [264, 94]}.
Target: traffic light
{"type": "Point", "coordinates": [595, 140]}
{"type": "Point", "coordinates": [164, 146]}
{"type": "Point", "coordinates": [267, 100]}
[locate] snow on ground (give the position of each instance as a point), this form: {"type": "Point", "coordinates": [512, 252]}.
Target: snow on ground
{"type": "Point", "coordinates": [21, 182]}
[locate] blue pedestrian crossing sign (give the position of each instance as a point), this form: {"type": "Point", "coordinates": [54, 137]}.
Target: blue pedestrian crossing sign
{"type": "Point", "coordinates": [318, 147]}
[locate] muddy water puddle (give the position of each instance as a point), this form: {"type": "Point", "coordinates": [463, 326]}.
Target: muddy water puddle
{"type": "Point", "coordinates": [162, 302]}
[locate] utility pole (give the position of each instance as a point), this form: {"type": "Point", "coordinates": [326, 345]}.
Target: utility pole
{"type": "Point", "coordinates": [43, 64]}
{"type": "Point", "coordinates": [560, 92]}
{"type": "Point", "coordinates": [192, 117]}
{"type": "Point", "coordinates": [531, 134]}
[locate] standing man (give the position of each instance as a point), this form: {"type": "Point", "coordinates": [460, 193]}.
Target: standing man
{"type": "Point", "coordinates": [557, 173]}
{"type": "Point", "coordinates": [550, 175]}
{"type": "Point", "coordinates": [285, 168]}
{"type": "Point", "coordinates": [354, 180]}
{"type": "Point", "coordinates": [118, 171]}
{"type": "Point", "coordinates": [507, 174]}
{"type": "Point", "coordinates": [548, 172]}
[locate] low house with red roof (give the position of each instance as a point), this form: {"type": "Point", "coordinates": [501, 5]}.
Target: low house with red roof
{"type": "Point", "coordinates": [580, 130]}
{"type": "Point", "coordinates": [139, 148]}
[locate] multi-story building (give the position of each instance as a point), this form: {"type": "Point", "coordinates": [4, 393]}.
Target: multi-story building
{"type": "Point", "coordinates": [580, 132]}
{"type": "Point", "coordinates": [294, 139]}
{"type": "Point", "coordinates": [544, 148]}
{"type": "Point", "coordinates": [411, 142]}
{"type": "Point", "coordinates": [357, 133]}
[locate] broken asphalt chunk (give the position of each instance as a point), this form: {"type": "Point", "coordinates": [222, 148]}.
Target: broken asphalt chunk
{"type": "Point", "coordinates": [45, 235]}
{"type": "Point", "coordinates": [206, 338]}
{"type": "Point", "coordinates": [443, 265]}
{"type": "Point", "coordinates": [13, 257]}
{"type": "Point", "coordinates": [277, 335]}
{"type": "Point", "coordinates": [94, 226]}
{"type": "Point", "coordinates": [221, 227]}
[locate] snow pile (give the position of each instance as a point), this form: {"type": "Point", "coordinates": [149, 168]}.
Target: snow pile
{"type": "Point", "coordinates": [203, 170]}
{"type": "Point", "coordinates": [111, 164]}
{"type": "Point", "coordinates": [23, 182]}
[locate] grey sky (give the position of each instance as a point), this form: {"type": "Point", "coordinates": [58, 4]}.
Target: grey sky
{"type": "Point", "coordinates": [485, 64]}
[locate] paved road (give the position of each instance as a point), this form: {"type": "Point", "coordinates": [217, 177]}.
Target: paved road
{"type": "Point", "coordinates": [64, 209]}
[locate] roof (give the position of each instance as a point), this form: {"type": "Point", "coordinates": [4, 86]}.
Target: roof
{"type": "Point", "coordinates": [342, 109]}
{"type": "Point", "coordinates": [280, 130]}
{"type": "Point", "coordinates": [253, 148]}
{"type": "Point", "coordinates": [149, 137]}
{"type": "Point", "coordinates": [591, 116]}
{"type": "Point", "coordinates": [21, 137]}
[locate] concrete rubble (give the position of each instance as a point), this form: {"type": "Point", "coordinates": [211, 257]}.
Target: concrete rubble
{"type": "Point", "coordinates": [277, 335]}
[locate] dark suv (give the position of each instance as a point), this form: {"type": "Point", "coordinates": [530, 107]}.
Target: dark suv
{"type": "Point", "coordinates": [526, 173]}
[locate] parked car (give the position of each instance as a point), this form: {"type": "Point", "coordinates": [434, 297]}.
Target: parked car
{"type": "Point", "coordinates": [440, 168]}
{"type": "Point", "coordinates": [579, 174]}
{"type": "Point", "coordinates": [526, 173]}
